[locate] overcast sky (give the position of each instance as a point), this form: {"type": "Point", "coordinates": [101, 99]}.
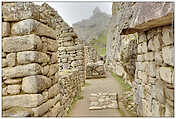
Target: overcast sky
{"type": "Point", "coordinates": [73, 12]}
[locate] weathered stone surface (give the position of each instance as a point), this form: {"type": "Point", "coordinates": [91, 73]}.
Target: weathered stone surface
{"type": "Point", "coordinates": [5, 29]}
{"type": "Point", "coordinates": [53, 69]}
{"type": "Point", "coordinates": [54, 90]}
{"type": "Point", "coordinates": [4, 62]}
{"type": "Point", "coordinates": [11, 59]}
{"type": "Point", "coordinates": [169, 93]}
{"type": "Point", "coordinates": [158, 57]}
{"type": "Point", "coordinates": [142, 48]}
{"type": "Point", "coordinates": [142, 75]}
{"type": "Point", "coordinates": [155, 43]}
{"type": "Point", "coordinates": [168, 55]}
{"type": "Point", "coordinates": [12, 81]}
{"type": "Point", "coordinates": [17, 112]}
{"type": "Point", "coordinates": [39, 111]}
{"type": "Point", "coordinates": [29, 26]}
{"type": "Point", "coordinates": [149, 56]}
{"type": "Point", "coordinates": [51, 44]}
{"type": "Point", "coordinates": [45, 69]}
{"type": "Point", "coordinates": [4, 91]}
{"type": "Point", "coordinates": [21, 71]}
{"type": "Point", "coordinates": [166, 74]}
{"type": "Point", "coordinates": [22, 43]}
{"type": "Point", "coordinates": [55, 110]}
{"type": "Point", "coordinates": [25, 100]}
{"type": "Point", "coordinates": [168, 35]}
{"type": "Point", "coordinates": [169, 109]}
{"type": "Point", "coordinates": [13, 89]}
{"type": "Point", "coordinates": [142, 19]}
{"type": "Point", "coordinates": [140, 58]}
{"type": "Point", "coordinates": [151, 69]}
{"type": "Point", "coordinates": [17, 11]}
{"type": "Point", "coordinates": [54, 58]}
{"type": "Point", "coordinates": [35, 84]}
{"type": "Point", "coordinates": [32, 57]}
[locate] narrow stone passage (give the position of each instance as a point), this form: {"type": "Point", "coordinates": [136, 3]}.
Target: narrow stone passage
{"type": "Point", "coordinates": [103, 85]}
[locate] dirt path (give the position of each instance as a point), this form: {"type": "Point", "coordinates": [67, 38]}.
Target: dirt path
{"type": "Point", "coordinates": [105, 85]}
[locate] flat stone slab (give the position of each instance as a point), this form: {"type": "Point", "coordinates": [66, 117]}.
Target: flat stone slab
{"type": "Point", "coordinates": [98, 101]}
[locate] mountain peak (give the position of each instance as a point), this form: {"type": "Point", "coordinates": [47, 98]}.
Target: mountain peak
{"type": "Point", "coordinates": [96, 10]}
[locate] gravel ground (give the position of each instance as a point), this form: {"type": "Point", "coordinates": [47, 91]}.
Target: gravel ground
{"type": "Point", "coordinates": [103, 85]}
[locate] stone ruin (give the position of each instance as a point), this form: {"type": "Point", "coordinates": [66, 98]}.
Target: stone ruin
{"type": "Point", "coordinates": [43, 65]}
{"type": "Point", "coordinates": [95, 67]}
{"type": "Point", "coordinates": [153, 82]}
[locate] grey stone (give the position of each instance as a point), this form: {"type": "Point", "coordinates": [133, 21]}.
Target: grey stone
{"type": "Point", "coordinates": [21, 71]}
{"type": "Point", "coordinates": [35, 84]}
{"type": "Point", "coordinates": [17, 112]}
{"type": "Point", "coordinates": [13, 89]}
{"type": "Point", "coordinates": [25, 100]}
{"type": "Point", "coordinates": [16, 11]}
{"type": "Point", "coordinates": [13, 81]}
{"type": "Point", "coordinates": [53, 69]}
{"type": "Point", "coordinates": [29, 26]}
{"type": "Point", "coordinates": [11, 58]}
{"type": "Point", "coordinates": [45, 69]}
{"type": "Point", "coordinates": [5, 29]}
{"type": "Point", "coordinates": [168, 36]}
{"type": "Point", "coordinates": [51, 44]}
{"type": "Point", "coordinates": [4, 63]}
{"type": "Point", "coordinates": [22, 43]}
{"type": "Point", "coordinates": [26, 57]}
{"type": "Point", "coordinates": [168, 55]}
{"type": "Point", "coordinates": [54, 90]}
{"type": "Point", "coordinates": [149, 56]}
{"type": "Point", "coordinates": [166, 74]}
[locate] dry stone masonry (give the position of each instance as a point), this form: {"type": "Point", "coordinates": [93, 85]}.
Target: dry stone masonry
{"type": "Point", "coordinates": [94, 66]}
{"type": "Point", "coordinates": [98, 101]}
{"type": "Point", "coordinates": [153, 82]}
{"type": "Point", "coordinates": [33, 81]}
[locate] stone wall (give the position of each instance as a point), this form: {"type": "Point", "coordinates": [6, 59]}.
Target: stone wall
{"type": "Point", "coordinates": [70, 52]}
{"type": "Point", "coordinates": [153, 63]}
{"type": "Point", "coordinates": [33, 83]}
{"type": "Point", "coordinates": [154, 75]}
{"type": "Point", "coordinates": [94, 65]}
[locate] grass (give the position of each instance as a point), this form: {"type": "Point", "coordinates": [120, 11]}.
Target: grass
{"type": "Point", "coordinates": [100, 43]}
{"type": "Point", "coordinates": [125, 86]}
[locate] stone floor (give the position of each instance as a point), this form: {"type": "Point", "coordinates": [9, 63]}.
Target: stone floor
{"type": "Point", "coordinates": [102, 101]}
{"type": "Point", "coordinates": [103, 85]}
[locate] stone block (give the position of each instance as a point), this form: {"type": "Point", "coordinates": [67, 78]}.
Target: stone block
{"type": "Point", "coordinates": [54, 58]}
{"type": "Point", "coordinates": [39, 111]}
{"type": "Point", "coordinates": [169, 94]}
{"type": "Point", "coordinates": [4, 62]}
{"type": "Point", "coordinates": [166, 74]}
{"type": "Point", "coordinates": [142, 75]}
{"type": "Point", "coordinates": [151, 69]}
{"type": "Point", "coordinates": [168, 35]}
{"type": "Point", "coordinates": [168, 55]}
{"type": "Point", "coordinates": [54, 90]}
{"type": "Point", "coordinates": [13, 89]}
{"type": "Point", "coordinates": [5, 29]}
{"type": "Point", "coordinates": [29, 26]}
{"type": "Point", "coordinates": [16, 11]}
{"type": "Point", "coordinates": [141, 66]}
{"type": "Point", "coordinates": [50, 44]}
{"type": "Point", "coordinates": [26, 57]}
{"type": "Point", "coordinates": [149, 56]}
{"type": "Point", "coordinates": [4, 91]}
{"type": "Point", "coordinates": [45, 69]}
{"type": "Point", "coordinates": [155, 43]}
{"type": "Point", "coordinates": [22, 43]}
{"type": "Point", "coordinates": [21, 71]}
{"type": "Point", "coordinates": [142, 37]}
{"type": "Point", "coordinates": [169, 109]}
{"type": "Point", "coordinates": [13, 81]}
{"type": "Point", "coordinates": [35, 84]}
{"type": "Point", "coordinates": [17, 112]}
{"type": "Point", "coordinates": [25, 100]}
{"type": "Point", "coordinates": [53, 68]}
{"type": "Point", "coordinates": [140, 58]}
{"type": "Point", "coordinates": [158, 57]}
{"type": "Point", "coordinates": [11, 59]}
{"type": "Point", "coordinates": [155, 108]}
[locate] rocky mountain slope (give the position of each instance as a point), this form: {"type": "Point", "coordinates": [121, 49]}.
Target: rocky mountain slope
{"type": "Point", "coordinates": [93, 27]}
